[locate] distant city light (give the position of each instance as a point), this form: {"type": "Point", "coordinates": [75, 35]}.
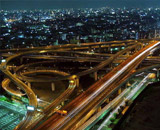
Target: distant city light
{"type": "Point", "coordinates": [21, 36]}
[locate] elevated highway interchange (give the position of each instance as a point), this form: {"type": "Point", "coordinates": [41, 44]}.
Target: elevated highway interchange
{"type": "Point", "coordinates": [19, 69]}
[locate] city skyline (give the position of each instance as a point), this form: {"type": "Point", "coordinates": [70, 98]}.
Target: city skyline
{"type": "Point", "coordinates": [58, 4]}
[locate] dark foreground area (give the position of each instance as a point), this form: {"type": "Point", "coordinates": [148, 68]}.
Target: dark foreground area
{"type": "Point", "coordinates": [145, 112]}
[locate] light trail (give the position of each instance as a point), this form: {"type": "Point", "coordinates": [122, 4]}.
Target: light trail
{"type": "Point", "coordinates": [103, 87]}
{"type": "Point", "coordinates": [132, 93]}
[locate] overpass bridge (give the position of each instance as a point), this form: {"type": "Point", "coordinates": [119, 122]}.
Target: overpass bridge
{"type": "Point", "coordinates": [21, 68]}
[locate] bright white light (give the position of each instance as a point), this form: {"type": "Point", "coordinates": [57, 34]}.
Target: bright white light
{"type": "Point", "coordinates": [154, 69]}
{"type": "Point", "coordinates": [30, 108]}
{"type": "Point", "coordinates": [3, 60]}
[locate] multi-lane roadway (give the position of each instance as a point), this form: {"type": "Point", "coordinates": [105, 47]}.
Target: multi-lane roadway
{"type": "Point", "coordinates": [81, 108]}
{"type": "Point", "coordinates": [92, 97]}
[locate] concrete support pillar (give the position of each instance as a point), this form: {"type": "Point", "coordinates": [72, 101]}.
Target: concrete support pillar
{"type": "Point", "coordinates": [78, 42]}
{"type": "Point", "coordinates": [111, 66]}
{"type": "Point", "coordinates": [127, 53]}
{"type": "Point", "coordinates": [21, 60]}
{"type": "Point", "coordinates": [29, 84]}
{"type": "Point", "coordinates": [100, 49]}
{"type": "Point", "coordinates": [77, 82]}
{"type": "Point", "coordinates": [71, 49]}
{"type": "Point", "coordinates": [62, 103]}
{"type": "Point", "coordinates": [126, 44]}
{"type": "Point", "coordinates": [119, 91]}
{"type": "Point", "coordinates": [90, 48]}
{"type": "Point", "coordinates": [95, 76]}
{"type": "Point", "coordinates": [79, 88]}
{"type": "Point", "coordinates": [136, 49]}
{"type": "Point", "coordinates": [109, 48]}
{"type": "Point", "coordinates": [71, 54]}
{"type": "Point", "coordinates": [53, 87]}
{"type": "Point", "coordinates": [99, 109]}
{"type": "Point", "coordinates": [107, 100]}
{"type": "Point", "coordinates": [128, 84]}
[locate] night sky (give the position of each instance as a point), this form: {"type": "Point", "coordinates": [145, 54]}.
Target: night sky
{"type": "Point", "coordinates": [55, 4]}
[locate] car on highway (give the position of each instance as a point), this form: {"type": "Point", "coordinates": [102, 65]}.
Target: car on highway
{"type": "Point", "coordinates": [62, 112]}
